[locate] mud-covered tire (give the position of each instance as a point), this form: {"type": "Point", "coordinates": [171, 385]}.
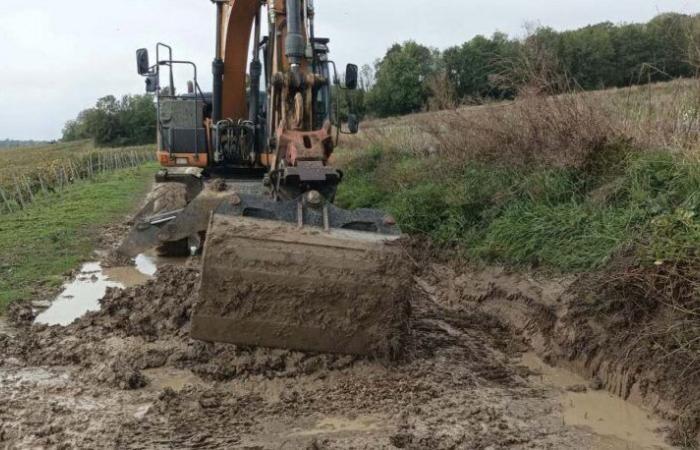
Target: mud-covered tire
{"type": "Point", "coordinates": [168, 197]}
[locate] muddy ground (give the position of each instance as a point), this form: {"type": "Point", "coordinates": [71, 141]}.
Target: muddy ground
{"type": "Point", "coordinates": [129, 376]}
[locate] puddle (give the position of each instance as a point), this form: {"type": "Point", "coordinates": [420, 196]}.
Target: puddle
{"type": "Point", "coordinates": [620, 425]}
{"type": "Point", "coordinates": [175, 379]}
{"type": "Point", "coordinates": [83, 294]}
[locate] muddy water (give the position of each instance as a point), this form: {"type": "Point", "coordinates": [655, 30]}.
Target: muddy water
{"type": "Point", "coordinates": [83, 294]}
{"type": "Point", "coordinates": [171, 378]}
{"type": "Point", "coordinates": [617, 424]}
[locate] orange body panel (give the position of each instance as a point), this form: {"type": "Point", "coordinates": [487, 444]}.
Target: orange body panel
{"type": "Point", "coordinates": [178, 159]}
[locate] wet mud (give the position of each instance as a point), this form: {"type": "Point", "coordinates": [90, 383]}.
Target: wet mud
{"type": "Point", "coordinates": [128, 375]}
{"type": "Point", "coordinates": [562, 326]}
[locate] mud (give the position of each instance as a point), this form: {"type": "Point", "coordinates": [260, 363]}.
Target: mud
{"type": "Point", "coordinates": [619, 423]}
{"type": "Point", "coordinates": [568, 324]}
{"type": "Point", "coordinates": [128, 376]}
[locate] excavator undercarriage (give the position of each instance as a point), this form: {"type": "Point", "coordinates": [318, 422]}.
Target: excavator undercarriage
{"type": "Point", "coordinates": [247, 179]}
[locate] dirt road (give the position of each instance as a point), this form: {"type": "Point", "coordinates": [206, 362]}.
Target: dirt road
{"type": "Point", "coordinates": [128, 376]}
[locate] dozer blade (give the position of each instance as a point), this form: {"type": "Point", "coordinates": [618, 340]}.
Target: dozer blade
{"type": "Point", "coordinates": [273, 284]}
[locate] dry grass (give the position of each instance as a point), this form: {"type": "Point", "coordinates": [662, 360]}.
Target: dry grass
{"type": "Point", "coordinates": [560, 131]}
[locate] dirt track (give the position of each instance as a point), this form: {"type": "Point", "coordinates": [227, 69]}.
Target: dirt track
{"type": "Point", "coordinates": [129, 376]}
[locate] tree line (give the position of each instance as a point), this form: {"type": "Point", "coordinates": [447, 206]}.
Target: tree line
{"type": "Point", "coordinates": [412, 77]}
{"type": "Point", "coordinates": [14, 143]}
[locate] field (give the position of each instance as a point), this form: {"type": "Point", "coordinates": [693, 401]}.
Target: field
{"type": "Point", "coordinates": [48, 230]}
{"type": "Point", "coordinates": [555, 303]}
{"type": "Point", "coordinates": [25, 173]}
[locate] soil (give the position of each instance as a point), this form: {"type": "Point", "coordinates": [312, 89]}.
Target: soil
{"type": "Point", "coordinates": [130, 376]}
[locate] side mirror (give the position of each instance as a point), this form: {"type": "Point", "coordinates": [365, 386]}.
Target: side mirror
{"type": "Point", "coordinates": [351, 72]}
{"type": "Point", "coordinates": [142, 61]}
{"type": "Point", "coordinates": [353, 124]}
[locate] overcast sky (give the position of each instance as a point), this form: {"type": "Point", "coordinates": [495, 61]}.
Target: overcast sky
{"type": "Point", "coordinates": [60, 56]}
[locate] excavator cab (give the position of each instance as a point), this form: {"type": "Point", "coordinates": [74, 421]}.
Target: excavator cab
{"type": "Point", "coordinates": [246, 176]}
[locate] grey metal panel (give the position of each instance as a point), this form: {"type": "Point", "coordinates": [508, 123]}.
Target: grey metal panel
{"type": "Point", "coordinates": [182, 113]}
{"type": "Point", "coordinates": [179, 118]}
{"type": "Point", "coordinates": [184, 140]}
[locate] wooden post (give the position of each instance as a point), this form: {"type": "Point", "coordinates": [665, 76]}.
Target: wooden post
{"type": "Point", "coordinates": [41, 183]}
{"type": "Point", "coordinates": [64, 176]}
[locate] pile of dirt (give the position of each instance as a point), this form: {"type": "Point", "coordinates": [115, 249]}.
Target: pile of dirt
{"type": "Point", "coordinates": [147, 327]}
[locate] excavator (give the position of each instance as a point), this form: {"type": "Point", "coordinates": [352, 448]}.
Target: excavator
{"type": "Point", "coordinates": [247, 179]}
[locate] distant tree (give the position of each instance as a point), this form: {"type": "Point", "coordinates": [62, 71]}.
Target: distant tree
{"type": "Point", "coordinates": [400, 80]}
{"type": "Point", "coordinates": [412, 77]}
{"type": "Point", "coordinates": [366, 77]}
{"type": "Point", "coordinates": [13, 143]}
{"type": "Point", "coordinates": [112, 122]}
{"type": "Point", "coordinates": [471, 66]}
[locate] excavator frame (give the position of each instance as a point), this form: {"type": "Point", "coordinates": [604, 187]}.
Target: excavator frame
{"type": "Point", "coordinates": [246, 176]}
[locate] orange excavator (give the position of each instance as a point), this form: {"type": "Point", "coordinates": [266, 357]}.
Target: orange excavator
{"type": "Point", "coordinates": [247, 178]}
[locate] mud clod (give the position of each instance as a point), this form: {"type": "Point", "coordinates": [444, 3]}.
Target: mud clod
{"type": "Point", "coordinates": [20, 314]}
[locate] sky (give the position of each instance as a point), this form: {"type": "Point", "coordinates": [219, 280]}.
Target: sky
{"type": "Point", "coordinates": [58, 57]}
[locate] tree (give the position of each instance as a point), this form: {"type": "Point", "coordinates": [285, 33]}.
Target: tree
{"type": "Point", "coordinates": [471, 67]}
{"type": "Point", "coordinates": [112, 122]}
{"type": "Point", "coordinates": [400, 84]}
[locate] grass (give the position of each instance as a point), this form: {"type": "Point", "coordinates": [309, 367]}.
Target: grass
{"type": "Point", "coordinates": [562, 219]}
{"type": "Point", "coordinates": [57, 231]}
{"type": "Point", "coordinates": [562, 183]}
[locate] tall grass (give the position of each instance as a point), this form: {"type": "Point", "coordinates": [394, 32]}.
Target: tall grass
{"type": "Point", "coordinates": [563, 182]}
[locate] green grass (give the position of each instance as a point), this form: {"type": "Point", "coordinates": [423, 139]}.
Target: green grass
{"type": "Point", "coordinates": [561, 219]}
{"type": "Point", "coordinates": [57, 232]}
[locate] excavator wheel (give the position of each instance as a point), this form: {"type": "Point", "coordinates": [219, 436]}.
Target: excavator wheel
{"type": "Point", "coordinates": [274, 284]}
